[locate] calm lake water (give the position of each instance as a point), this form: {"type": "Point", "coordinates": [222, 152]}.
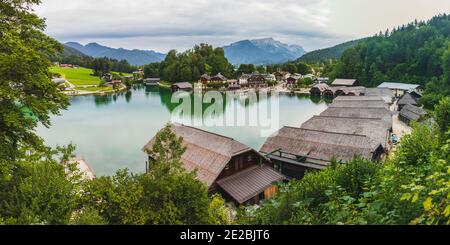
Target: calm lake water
{"type": "Point", "coordinates": [110, 131]}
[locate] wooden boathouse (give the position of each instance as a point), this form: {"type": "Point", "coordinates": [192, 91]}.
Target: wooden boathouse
{"type": "Point", "coordinates": [225, 165]}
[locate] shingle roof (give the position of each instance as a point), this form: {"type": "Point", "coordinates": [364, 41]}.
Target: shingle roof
{"type": "Point", "coordinates": [407, 99]}
{"type": "Point", "coordinates": [412, 112]}
{"type": "Point", "coordinates": [374, 128]}
{"type": "Point", "coordinates": [382, 113]}
{"type": "Point", "coordinates": [360, 104]}
{"type": "Point", "coordinates": [318, 147]}
{"type": "Point", "coordinates": [183, 85]}
{"type": "Point", "coordinates": [246, 184]}
{"type": "Point", "coordinates": [399, 86]}
{"type": "Point", "coordinates": [344, 82]}
{"type": "Point", "coordinates": [207, 152]}
{"type": "Point", "coordinates": [385, 93]}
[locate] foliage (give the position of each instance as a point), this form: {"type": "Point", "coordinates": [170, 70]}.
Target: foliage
{"type": "Point", "coordinates": [37, 188]}
{"type": "Point", "coordinates": [190, 65]}
{"type": "Point", "coordinates": [24, 77]}
{"type": "Point", "coordinates": [416, 53]}
{"type": "Point", "coordinates": [304, 82]}
{"type": "Point", "coordinates": [291, 67]}
{"type": "Point", "coordinates": [164, 195]}
{"type": "Point", "coordinates": [327, 54]}
{"type": "Point", "coordinates": [412, 187]}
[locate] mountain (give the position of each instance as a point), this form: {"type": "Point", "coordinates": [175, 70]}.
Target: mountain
{"type": "Point", "coordinates": [134, 57]}
{"type": "Point", "coordinates": [69, 51]}
{"type": "Point", "coordinates": [262, 52]}
{"type": "Point", "coordinates": [329, 53]}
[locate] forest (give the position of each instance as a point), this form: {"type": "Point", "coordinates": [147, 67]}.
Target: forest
{"type": "Point", "coordinates": [40, 185]}
{"type": "Point", "coordinates": [414, 53]}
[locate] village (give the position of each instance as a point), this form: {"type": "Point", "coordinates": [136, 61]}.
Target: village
{"type": "Point", "coordinates": [360, 122]}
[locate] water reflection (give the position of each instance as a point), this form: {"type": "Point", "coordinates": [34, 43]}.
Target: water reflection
{"type": "Point", "coordinates": [110, 130]}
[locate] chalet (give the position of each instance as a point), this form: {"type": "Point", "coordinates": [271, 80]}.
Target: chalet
{"type": "Point", "coordinates": [411, 113]}
{"type": "Point", "coordinates": [406, 99]}
{"type": "Point", "coordinates": [182, 86]}
{"type": "Point", "coordinates": [319, 89]}
{"type": "Point", "coordinates": [401, 88]}
{"type": "Point", "coordinates": [152, 81]}
{"type": "Point", "coordinates": [204, 79]}
{"type": "Point", "coordinates": [295, 150]}
{"type": "Point", "coordinates": [345, 82]}
{"type": "Point", "coordinates": [292, 80]}
{"type": "Point", "coordinates": [225, 165]}
{"type": "Point", "coordinates": [233, 84]}
{"type": "Point", "coordinates": [219, 78]}
{"type": "Point", "coordinates": [257, 80]}
{"type": "Point", "coordinates": [243, 80]}
{"type": "Point", "coordinates": [281, 76]}
{"type": "Point", "coordinates": [270, 77]}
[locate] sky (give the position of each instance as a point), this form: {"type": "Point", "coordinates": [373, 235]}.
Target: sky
{"type": "Point", "coordinates": [162, 25]}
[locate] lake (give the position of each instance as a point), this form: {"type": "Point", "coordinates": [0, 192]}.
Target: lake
{"type": "Point", "coordinates": [110, 131]}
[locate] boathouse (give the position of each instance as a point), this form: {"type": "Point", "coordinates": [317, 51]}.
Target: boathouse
{"type": "Point", "coordinates": [345, 82]}
{"type": "Point", "coordinates": [182, 86]}
{"type": "Point", "coordinates": [151, 81]}
{"type": "Point", "coordinates": [225, 165]}
{"type": "Point", "coordinates": [319, 89]}
{"type": "Point", "coordinates": [296, 150]}
{"type": "Point", "coordinates": [411, 113]}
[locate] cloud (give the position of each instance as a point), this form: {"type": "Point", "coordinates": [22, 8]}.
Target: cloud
{"type": "Point", "coordinates": [194, 19]}
{"type": "Point", "coordinates": [179, 24]}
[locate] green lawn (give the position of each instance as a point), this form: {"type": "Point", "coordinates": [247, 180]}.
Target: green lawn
{"type": "Point", "coordinates": [100, 89]}
{"type": "Point", "coordinates": [77, 76]}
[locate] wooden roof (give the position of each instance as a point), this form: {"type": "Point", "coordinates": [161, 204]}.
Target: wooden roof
{"type": "Point", "coordinates": [384, 93]}
{"type": "Point", "coordinates": [360, 104]}
{"type": "Point", "coordinates": [407, 99]}
{"type": "Point", "coordinates": [320, 87]}
{"type": "Point", "coordinates": [374, 128]}
{"type": "Point", "coordinates": [382, 113]}
{"type": "Point", "coordinates": [344, 82]}
{"type": "Point", "coordinates": [207, 152]}
{"type": "Point", "coordinates": [412, 112]}
{"type": "Point", "coordinates": [183, 85]}
{"type": "Point", "coordinates": [318, 147]}
{"type": "Point", "coordinates": [246, 184]}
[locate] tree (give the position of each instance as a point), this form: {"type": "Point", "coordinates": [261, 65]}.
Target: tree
{"type": "Point", "coordinates": [25, 83]}
{"type": "Point", "coordinates": [40, 188]}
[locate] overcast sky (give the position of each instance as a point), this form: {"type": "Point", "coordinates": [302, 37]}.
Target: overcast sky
{"type": "Point", "coordinates": [162, 25]}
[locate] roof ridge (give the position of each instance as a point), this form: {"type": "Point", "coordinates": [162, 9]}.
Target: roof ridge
{"type": "Point", "coordinates": [322, 131]}
{"type": "Point", "coordinates": [339, 145]}
{"type": "Point", "coordinates": [202, 130]}
{"type": "Point", "coordinates": [360, 118]}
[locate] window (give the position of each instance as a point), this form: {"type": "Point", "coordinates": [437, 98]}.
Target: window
{"type": "Point", "coordinates": [249, 158]}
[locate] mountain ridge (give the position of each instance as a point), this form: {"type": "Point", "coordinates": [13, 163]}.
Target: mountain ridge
{"type": "Point", "coordinates": [263, 51]}
{"type": "Point", "coordinates": [134, 56]}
